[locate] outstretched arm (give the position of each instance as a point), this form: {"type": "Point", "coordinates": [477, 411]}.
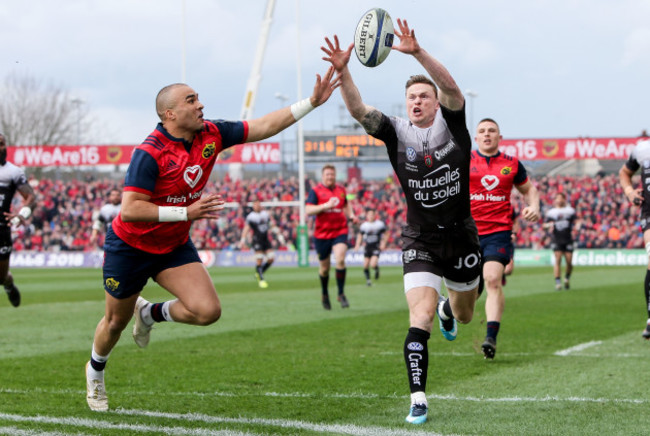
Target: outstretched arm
{"type": "Point", "coordinates": [366, 115]}
{"type": "Point", "coordinates": [275, 122]}
{"type": "Point", "coordinates": [450, 95]}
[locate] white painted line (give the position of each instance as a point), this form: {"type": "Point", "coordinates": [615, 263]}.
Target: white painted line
{"type": "Point", "coordinates": [348, 429]}
{"type": "Point", "coordinates": [15, 431]}
{"type": "Point", "coordinates": [577, 348]}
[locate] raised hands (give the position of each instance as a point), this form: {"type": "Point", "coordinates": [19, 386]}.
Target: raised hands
{"type": "Point", "coordinates": [407, 42]}
{"type": "Point", "coordinates": [335, 55]}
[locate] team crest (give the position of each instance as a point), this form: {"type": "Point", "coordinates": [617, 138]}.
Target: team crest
{"type": "Point", "coordinates": [208, 150]}
{"type": "Point", "coordinates": [192, 175]}
{"type": "Point", "coordinates": [506, 170]}
{"type": "Point", "coordinates": [550, 148]}
{"type": "Point", "coordinates": [428, 160]}
{"type": "Point", "coordinates": [112, 284]}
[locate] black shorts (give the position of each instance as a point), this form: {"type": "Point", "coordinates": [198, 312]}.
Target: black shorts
{"type": "Point", "coordinates": [452, 252]}
{"type": "Point", "coordinates": [127, 269]}
{"type": "Point", "coordinates": [324, 246]}
{"type": "Point", "coordinates": [6, 245]}
{"type": "Point", "coordinates": [262, 244]}
{"type": "Point", "coordinates": [565, 247]}
{"type": "Point", "coordinates": [371, 250]}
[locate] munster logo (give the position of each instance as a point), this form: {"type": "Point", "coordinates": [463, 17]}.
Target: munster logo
{"type": "Point", "coordinates": [208, 150]}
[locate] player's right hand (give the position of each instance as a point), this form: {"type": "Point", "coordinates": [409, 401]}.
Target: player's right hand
{"type": "Point", "coordinates": [206, 207]}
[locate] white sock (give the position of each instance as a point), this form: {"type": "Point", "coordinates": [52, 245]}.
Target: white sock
{"type": "Point", "coordinates": [165, 310]}
{"type": "Point", "coordinates": [96, 357]}
{"type": "Point", "coordinates": [145, 314]}
{"type": "Point", "coordinates": [418, 398]}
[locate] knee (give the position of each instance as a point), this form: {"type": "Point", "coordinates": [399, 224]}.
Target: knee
{"type": "Point", "coordinates": [464, 317]}
{"type": "Point", "coordinates": [423, 317]}
{"type": "Point", "coordinates": [116, 324]}
{"type": "Point", "coordinates": [208, 315]}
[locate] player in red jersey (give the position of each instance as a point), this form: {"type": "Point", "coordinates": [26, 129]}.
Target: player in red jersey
{"type": "Point", "coordinates": [328, 202]}
{"type": "Point", "coordinates": [162, 196]}
{"type": "Point", "coordinates": [492, 176]}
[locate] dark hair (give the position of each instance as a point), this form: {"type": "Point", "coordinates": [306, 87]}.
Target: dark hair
{"type": "Point", "coordinates": [421, 78]}
{"type": "Point", "coordinates": [489, 120]}
{"type": "Point", "coordinates": [328, 167]}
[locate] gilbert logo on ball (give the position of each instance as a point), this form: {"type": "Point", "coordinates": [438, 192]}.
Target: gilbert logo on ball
{"type": "Point", "coordinates": [373, 38]}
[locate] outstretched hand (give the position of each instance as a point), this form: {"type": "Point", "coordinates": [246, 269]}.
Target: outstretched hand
{"type": "Point", "coordinates": [408, 44]}
{"type": "Point", "coordinates": [335, 55]}
{"type": "Point", "coordinates": [324, 87]}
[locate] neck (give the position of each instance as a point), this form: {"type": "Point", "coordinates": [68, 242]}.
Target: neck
{"type": "Point", "coordinates": [180, 133]}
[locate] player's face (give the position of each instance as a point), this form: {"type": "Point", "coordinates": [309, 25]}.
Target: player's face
{"type": "Point", "coordinates": [421, 104]}
{"type": "Point", "coordinates": [188, 110]}
{"type": "Point", "coordinates": [488, 137]}
{"type": "Point", "coordinates": [257, 206]}
{"type": "Point", "coordinates": [329, 177]}
{"type": "Point", "coordinates": [559, 201]}
{"type": "Point", "coordinates": [370, 215]}
{"type": "Point", "coordinates": [115, 197]}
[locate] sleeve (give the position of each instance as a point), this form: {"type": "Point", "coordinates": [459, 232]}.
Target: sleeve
{"type": "Point", "coordinates": [312, 198]}
{"type": "Point", "coordinates": [456, 122]}
{"type": "Point", "coordinates": [232, 132]}
{"type": "Point", "coordinates": [522, 176]}
{"type": "Point", "coordinates": [142, 173]}
{"type": "Point", "coordinates": [20, 178]}
{"type": "Point", "coordinates": [386, 132]}
{"type": "Point", "coordinates": [632, 164]}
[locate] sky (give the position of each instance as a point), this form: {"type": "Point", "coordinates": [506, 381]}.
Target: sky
{"type": "Point", "coordinates": [541, 68]}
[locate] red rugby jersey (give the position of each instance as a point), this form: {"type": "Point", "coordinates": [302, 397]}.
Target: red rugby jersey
{"type": "Point", "coordinates": [173, 173]}
{"type": "Point", "coordinates": [491, 179]}
{"type": "Point", "coordinates": [330, 223]}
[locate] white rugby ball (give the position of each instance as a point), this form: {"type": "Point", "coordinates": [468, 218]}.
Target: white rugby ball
{"type": "Point", "coordinates": [373, 38]}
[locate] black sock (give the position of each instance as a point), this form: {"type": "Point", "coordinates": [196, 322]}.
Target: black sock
{"type": "Point", "coordinates": [259, 271]}
{"type": "Point", "coordinates": [265, 266]}
{"type": "Point", "coordinates": [481, 285]}
{"type": "Point", "coordinates": [493, 329]}
{"type": "Point", "coordinates": [376, 272]}
{"type": "Point", "coordinates": [97, 366]}
{"type": "Point", "coordinates": [324, 280]}
{"type": "Point", "coordinates": [366, 272]}
{"type": "Point", "coordinates": [416, 356]}
{"type": "Point", "coordinates": [647, 291]}
{"type": "Point", "coordinates": [156, 312]}
{"type": "Point", "coordinates": [340, 280]}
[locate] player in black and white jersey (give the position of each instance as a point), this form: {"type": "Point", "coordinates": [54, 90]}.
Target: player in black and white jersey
{"type": "Point", "coordinates": [103, 218]}
{"type": "Point", "coordinates": [258, 224]}
{"type": "Point", "coordinates": [430, 153]}
{"type": "Point", "coordinates": [640, 158]}
{"type": "Point", "coordinates": [12, 179]}
{"type": "Point", "coordinates": [372, 233]}
{"type": "Point", "coordinates": [560, 219]}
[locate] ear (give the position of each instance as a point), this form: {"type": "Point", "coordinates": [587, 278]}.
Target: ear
{"type": "Point", "coordinates": [169, 114]}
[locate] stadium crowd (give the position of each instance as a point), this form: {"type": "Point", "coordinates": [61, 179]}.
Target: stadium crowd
{"type": "Point", "coordinates": [63, 220]}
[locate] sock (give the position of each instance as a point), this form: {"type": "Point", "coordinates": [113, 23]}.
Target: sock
{"type": "Point", "coordinates": [265, 266]}
{"type": "Point", "coordinates": [647, 291]}
{"type": "Point", "coordinates": [260, 271]}
{"type": "Point", "coordinates": [97, 362]}
{"type": "Point", "coordinates": [416, 356]}
{"type": "Point", "coordinates": [557, 280]}
{"type": "Point", "coordinates": [567, 277]}
{"type": "Point", "coordinates": [446, 311]}
{"type": "Point", "coordinates": [419, 398]}
{"type": "Point", "coordinates": [366, 272]}
{"type": "Point", "coordinates": [340, 280]}
{"type": "Point", "coordinates": [481, 285]}
{"type": "Point", "coordinates": [493, 329]}
{"type": "Point", "coordinates": [376, 272]}
{"type": "Point", "coordinates": [160, 312]}
{"type": "Point", "coordinates": [324, 280]}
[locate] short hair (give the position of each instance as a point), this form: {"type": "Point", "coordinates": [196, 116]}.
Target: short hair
{"type": "Point", "coordinates": [328, 167]}
{"type": "Point", "coordinates": [561, 194]}
{"type": "Point", "coordinates": [164, 101]}
{"type": "Point", "coordinates": [489, 120]}
{"type": "Point", "coordinates": [421, 78]}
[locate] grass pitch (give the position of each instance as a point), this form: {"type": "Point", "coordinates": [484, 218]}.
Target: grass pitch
{"type": "Point", "coordinates": [567, 363]}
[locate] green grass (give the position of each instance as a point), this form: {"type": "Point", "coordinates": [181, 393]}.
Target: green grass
{"type": "Point", "coordinates": [277, 363]}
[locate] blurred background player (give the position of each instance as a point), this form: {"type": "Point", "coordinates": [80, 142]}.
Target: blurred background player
{"type": "Point", "coordinates": [328, 202]}
{"type": "Point", "coordinates": [103, 218]}
{"type": "Point", "coordinates": [372, 233]}
{"type": "Point", "coordinates": [492, 176]}
{"type": "Point", "coordinates": [257, 224]}
{"type": "Point", "coordinates": [560, 219]}
{"type": "Point", "coordinates": [640, 158]}
{"type": "Point", "coordinates": [429, 152]}
{"type": "Point", "coordinates": [509, 269]}
{"type": "Point", "coordinates": [12, 179]}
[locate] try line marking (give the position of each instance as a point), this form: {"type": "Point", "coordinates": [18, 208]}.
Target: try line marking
{"type": "Point", "coordinates": [577, 348]}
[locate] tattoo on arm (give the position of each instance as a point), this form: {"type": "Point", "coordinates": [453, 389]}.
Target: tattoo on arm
{"type": "Point", "coordinates": [371, 121]}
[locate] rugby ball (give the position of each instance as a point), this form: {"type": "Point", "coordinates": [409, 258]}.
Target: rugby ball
{"type": "Point", "coordinates": [373, 38]}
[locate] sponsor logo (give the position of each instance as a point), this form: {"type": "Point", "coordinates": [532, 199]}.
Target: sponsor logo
{"type": "Point", "coordinates": [113, 154]}
{"type": "Point", "coordinates": [208, 150]}
{"type": "Point", "coordinates": [409, 256]}
{"type": "Point", "coordinates": [411, 154]}
{"type": "Point", "coordinates": [550, 148]}
{"type": "Point", "coordinates": [415, 346]}
{"type": "Point", "coordinates": [489, 182]}
{"type": "Point", "coordinates": [414, 365]}
{"type": "Point", "coordinates": [439, 154]}
{"type": "Point", "coordinates": [192, 175]}
{"type": "Point", "coordinates": [112, 284]}
{"type": "Point", "coordinates": [436, 187]}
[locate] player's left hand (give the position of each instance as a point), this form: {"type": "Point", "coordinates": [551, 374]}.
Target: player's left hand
{"type": "Point", "coordinates": [206, 207]}
{"type": "Point", "coordinates": [324, 87]}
